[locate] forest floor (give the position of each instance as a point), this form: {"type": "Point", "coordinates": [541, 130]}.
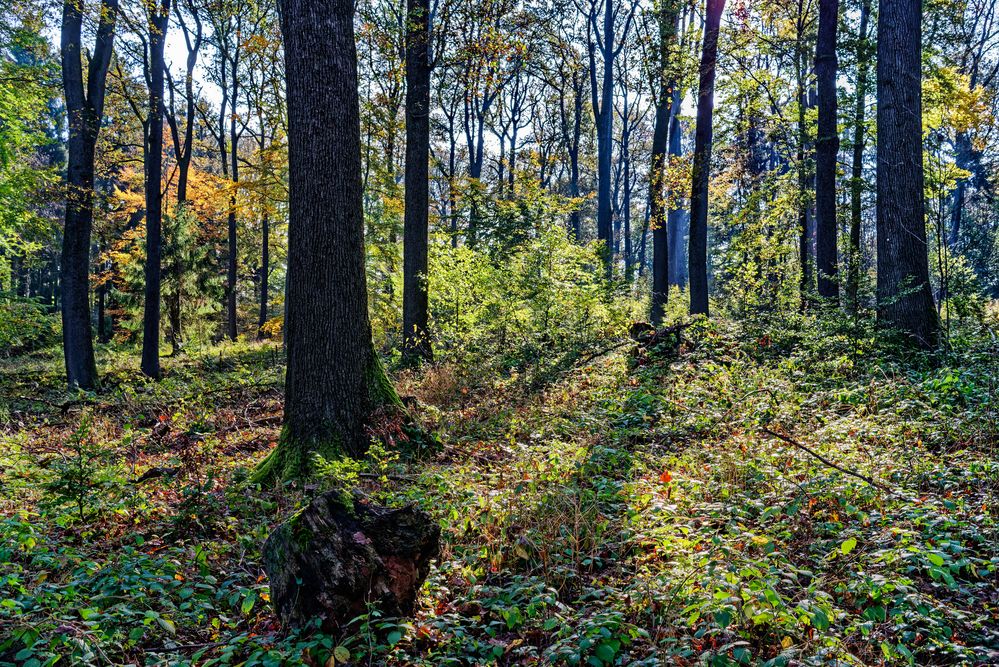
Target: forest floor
{"type": "Point", "coordinates": [642, 507]}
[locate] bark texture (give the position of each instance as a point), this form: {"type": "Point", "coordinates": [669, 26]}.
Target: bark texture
{"type": "Point", "coordinates": [415, 318]}
{"type": "Point", "coordinates": [85, 111]}
{"type": "Point", "coordinates": [338, 555]}
{"type": "Point", "coordinates": [863, 54]}
{"type": "Point", "coordinates": [904, 298]}
{"type": "Point", "coordinates": [159, 20]}
{"type": "Point", "coordinates": [335, 387]}
{"type": "Point", "coordinates": [698, 245]}
{"type": "Point", "coordinates": [826, 150]}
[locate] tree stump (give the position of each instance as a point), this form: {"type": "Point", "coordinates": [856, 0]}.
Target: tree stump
{"type": "Point", "coordinates": [340, 554]}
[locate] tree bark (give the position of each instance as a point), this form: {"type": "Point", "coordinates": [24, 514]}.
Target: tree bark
{"type": "Point", "coordinates": [857, 167]}
{"type": "Point", "coordinates": [416, 225]}
{"type": "Point", "coordinates": [265, 273]}
{"type": "Point", "coordinates": [159, 21]}
{"type": "Point", "coordinates": [335, 386]}
{"type": "Point", "coordinates": [904, 298]}
{"type": "Point", "coordinates": [676, 220]}
{"type": "Point", "coordinates": [85, 111]}
{"type": "Point", "coordinates": [701, 171]}
{"type": "Point", "coordinates": [826, 151]}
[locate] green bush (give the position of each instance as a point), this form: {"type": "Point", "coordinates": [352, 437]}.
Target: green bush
{"type": "Point", "coordinates": [26, 327]}
{"type": "Point", "coordinates": [525, 294]}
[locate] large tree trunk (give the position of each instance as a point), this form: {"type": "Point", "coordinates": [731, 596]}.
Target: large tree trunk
{"type": "Point", "coordinates": [904, 298]}
{"type": "Point", "coordinates": [415, 318]}
{"type": "Point", "coordinates": [159, 21]}
{"type": "Point", "coordinates": [85, 111]}
{"type": "Point", "coordinates": [335, 387]}
{"type": "Point", "coordinates": [698, 244]}
{"type": "Point", "coordinates": [826, 151]}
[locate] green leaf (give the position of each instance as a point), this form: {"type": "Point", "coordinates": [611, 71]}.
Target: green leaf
{"type": "Point", "coordinates": [167, 625]}
{"type": "Point", "coordinates": [936, 559]}
{"type": "Point", "coordinates": [606, 651]}
{"type": "Point", "coordinates": [848, 546]}
{"type": "Point", "coordinates": [723, 618]}
{"type": "Point", "coordinates": [341, 654]}
{"type": "Point", "coordinates": [394, 637]}
{"type": "Point", "coordinates": [248, 603]}
{"type": "Point", "coordinates": [87, 614]}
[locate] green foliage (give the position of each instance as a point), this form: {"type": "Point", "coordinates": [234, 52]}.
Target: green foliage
{"type": "Point", "coordinates": [529, 293]}
{"type": "Point", "coordinates": [83, 476]}
{"type": "Point", "coordinates": [26, 326]}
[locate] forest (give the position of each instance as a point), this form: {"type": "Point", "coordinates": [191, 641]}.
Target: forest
{"type": "Point", "coordinates": [499, 332]}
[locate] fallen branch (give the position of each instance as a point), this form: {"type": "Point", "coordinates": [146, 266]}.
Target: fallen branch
{"type": "Point", "coordinates": [831, 464]}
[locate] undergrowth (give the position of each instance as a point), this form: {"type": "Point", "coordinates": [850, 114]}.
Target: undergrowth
{"type": "Point", "coordinates": [631, 506]}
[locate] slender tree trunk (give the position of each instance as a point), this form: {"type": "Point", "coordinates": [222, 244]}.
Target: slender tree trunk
{"type": "Point", "coordinates": [605, 141]}
{"type": "Point", "coordinates": [657, 205]}
{"type": "Point", "coordinates": [85, 110]}
{"type": "Point", "coordinates": [159, 21]}
{"type": "Point", "coordinates": [577, 131]}
{"type": "Point", "coordinates": [905, 301]}
{"type": "Point", "coordinates": [857, 168]}
{"type": "Point", "coordinates": [698, 244]}
{"type": "Point", "coordinates": [265, 274]}
{"type": "Point", "coordinates": [232, 268]}
{"type": "Point", "coordinates": [416, 240]}
{"type": "Point", "coordinates": [826, 152]}
{"type": "Point", "coordinates": [335, 385]}
{"type": "Point", "coordinates": [677, 217]}
{"type": "Point", "coordinates": [963, 153]}
{"type": "Point", "coordinates": [804, 243]}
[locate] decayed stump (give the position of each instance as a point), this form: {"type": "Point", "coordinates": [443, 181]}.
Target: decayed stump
{"type": "Point", "coordinates": [337, 556]}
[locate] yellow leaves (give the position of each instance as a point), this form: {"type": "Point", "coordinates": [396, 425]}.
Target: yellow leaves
{"type": "Point", "coordinates": [949, 102]}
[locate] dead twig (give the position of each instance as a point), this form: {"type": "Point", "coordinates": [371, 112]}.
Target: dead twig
{"type": "Point", "coordinates": [831, 464]}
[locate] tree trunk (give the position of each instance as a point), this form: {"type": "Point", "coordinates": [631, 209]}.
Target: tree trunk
{"type": "Point", "coordinates": [159, 21]}
{"type": "Point", "coordinates": [826, 151]}
{"type": "Point", "coordinates": [701, 171]}
{"type": "Point", "coordinates": [416, 240]}
{"type": "Point", "coordinates": [265, 274]}
{"type": "Point", "coordinates": [962, 154]}
{"type": "Point", "coordinates": [85, 112]}
{"type": "Point", "coordinates": [605, 141]}
{"type": "Point", "coordinates": [335, 386]}
{"type": "Point", "coordinates": [857, 168]}
{"type": "Point", "coordinates": [677, 218]}
{"type": "Point", "coordinates": [904, 298]}
{"type": "Point", "coordinates": [231, 268]}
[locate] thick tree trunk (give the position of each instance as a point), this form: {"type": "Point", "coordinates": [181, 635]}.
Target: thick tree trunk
{"type": "Point", "coordinates": [335, 387]}
{"type": "Point", "coordinates": [826, 151]}
{"type": "Point", "coordinates": [159, 21]}
{"type": "Point", "coordinates": [698, 244]}
{"type": "Point", "coordinates": [665, 111]}
{"type": "Point", "coordinates": [857, 167]}
{"type": "Point", "coordinates": [85, 112]}
{"type": "Point", "coordinates": [416, 230]}
{"type": "Point", "coordinates": [904, 298]}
